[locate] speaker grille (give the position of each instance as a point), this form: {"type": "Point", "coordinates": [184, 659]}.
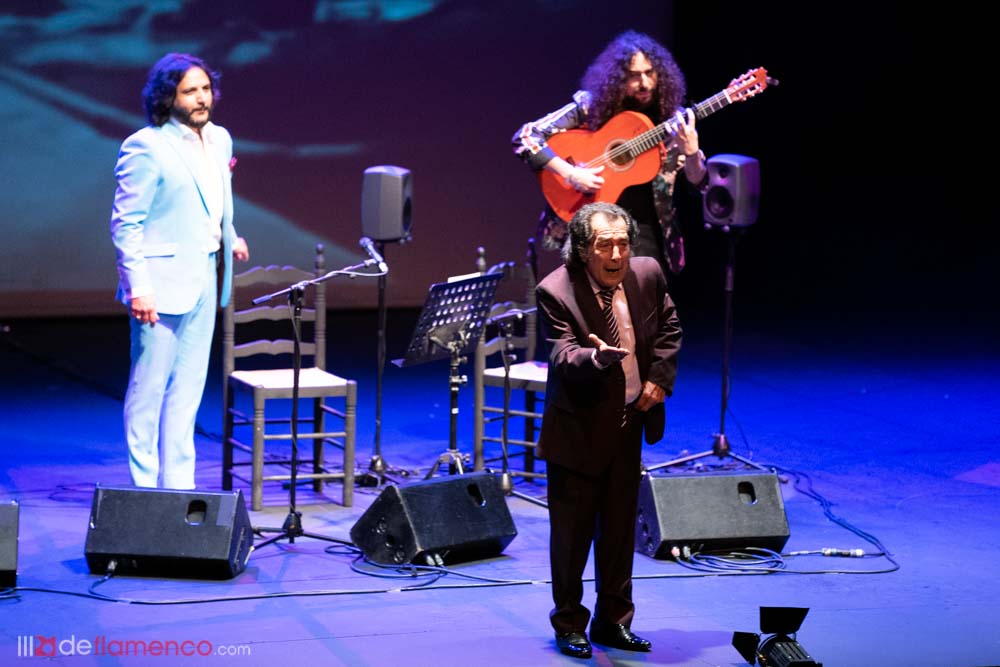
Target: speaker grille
{"type": "Point", "coordinates": [8, 543]}
{"type": "Point", "coordinates": [160, 532]}
{"type": "Point", "coordinates": [386, 208]}
{"type": "Point", "coordinates": [456, 518]}
{"type": "Point", "coordinates": [733, 193]}
{"type": "Point", "coordinates": [710, 511]}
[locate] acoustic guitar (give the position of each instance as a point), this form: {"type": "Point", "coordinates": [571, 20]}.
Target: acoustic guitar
{"type": "Point", "coordinates": [624, 146]}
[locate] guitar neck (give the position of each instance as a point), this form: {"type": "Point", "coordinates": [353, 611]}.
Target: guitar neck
{"type": "Point", "coordinates": [742, 88]}
{"type": "Point", "coordinates": [664, 130]}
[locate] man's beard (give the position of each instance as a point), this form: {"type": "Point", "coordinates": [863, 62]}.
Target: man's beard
{"type": "Point", "coordinates": [187, 117]}
{"type": "Point", "coordinates": [650, 108]}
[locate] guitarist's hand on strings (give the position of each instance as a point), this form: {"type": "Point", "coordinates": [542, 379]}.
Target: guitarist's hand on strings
{"type": "Point", "coordinates": [581, 179]}
{"type": "Point", "coordinates": [585, 179]}
{"type": "Point", "coordinates": [686, 138]}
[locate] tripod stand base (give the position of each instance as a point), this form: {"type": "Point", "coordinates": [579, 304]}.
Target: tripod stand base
{"type": "Point", "coordinates": [507, 486]}
{"type": "Point", "coordinates": [455, 459]}
{"type": "Point", "coordinates": [376, 472]}
{"type": "Point", "coordinates": [377, 465]}
{"type": "Point", "coordinates": [720, 449]}
{"type": "Point", "coordinates": [291, 528]}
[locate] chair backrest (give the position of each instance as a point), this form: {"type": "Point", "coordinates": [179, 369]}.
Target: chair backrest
{"type": "Point", "coordinates": [516, 291]}
{"type": "Point", "coordinates": [250, 330]}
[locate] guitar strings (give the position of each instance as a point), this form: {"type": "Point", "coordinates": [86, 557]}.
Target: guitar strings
{"type": "Point", "coordinates": [655, 135]}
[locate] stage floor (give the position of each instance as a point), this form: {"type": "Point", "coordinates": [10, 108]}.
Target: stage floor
{"type": "Point", "coordinates": [893, 425]}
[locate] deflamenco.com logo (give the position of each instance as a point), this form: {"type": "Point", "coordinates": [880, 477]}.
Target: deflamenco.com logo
{"type": "Point", "coordinates": [41, 646]}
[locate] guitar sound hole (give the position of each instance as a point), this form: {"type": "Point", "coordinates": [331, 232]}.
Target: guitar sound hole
{"type": "Point", "coordinates": [621, 156]}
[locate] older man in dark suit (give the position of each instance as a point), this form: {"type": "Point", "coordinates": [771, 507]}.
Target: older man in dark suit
{"type": "Point", "coordinates": [614, 336]}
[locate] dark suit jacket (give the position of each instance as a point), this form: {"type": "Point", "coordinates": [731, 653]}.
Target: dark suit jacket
{"type": "Point", "coordinates": [581, 429]}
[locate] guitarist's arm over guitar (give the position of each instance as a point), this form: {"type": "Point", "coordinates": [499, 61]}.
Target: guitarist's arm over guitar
{"type": "Point", "coordinates": [577, 166]}
{"type": "Point", "coordinates": [531, 143]}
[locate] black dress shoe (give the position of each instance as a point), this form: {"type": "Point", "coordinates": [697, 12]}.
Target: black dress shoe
{"type": "Point", "coordinates": [574, 644]}
{"type": "Point", "coordinates": [617, 636]}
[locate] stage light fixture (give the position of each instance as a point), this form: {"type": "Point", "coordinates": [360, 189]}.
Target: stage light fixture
{"type": "Point", "coordinates": [779, 648]}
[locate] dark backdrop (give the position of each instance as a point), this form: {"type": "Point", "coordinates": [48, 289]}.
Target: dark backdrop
{"type": "Point", "coordinates": [874, 157]}
{"type": "Point", "coordinates": [869, 193]}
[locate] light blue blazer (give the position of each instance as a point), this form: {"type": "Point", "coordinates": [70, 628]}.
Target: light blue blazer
{"type": "Point", "coordinates": [159, 221]}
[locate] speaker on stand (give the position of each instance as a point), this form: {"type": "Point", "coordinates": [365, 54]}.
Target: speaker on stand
{"type": "Point", "coordinates": [733, 194]}
{"type": "Point", "coordinates": [730, 205]}
{"type": "Point", "coordinates": [386, 216]}
{"type": "Point", "coordinates": [386, 209]}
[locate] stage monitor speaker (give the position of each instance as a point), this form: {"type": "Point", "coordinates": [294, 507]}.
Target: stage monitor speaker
{"type": "Point", "coordinates": [455, 518]}
{"type": "Point", "coordinates": [386, 194]}
{"type": "Point", "coordinates": [8, 543]}
{"type": "Point", "coordinates": [709, 512]}
{"type": "Point", "coordinates": [733, 193]}
{"type": "Point", "coordinates": [161, 532]}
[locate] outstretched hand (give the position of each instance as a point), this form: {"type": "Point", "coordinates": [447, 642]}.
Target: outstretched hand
{"type": "Point", "coordinates": [606, 354]}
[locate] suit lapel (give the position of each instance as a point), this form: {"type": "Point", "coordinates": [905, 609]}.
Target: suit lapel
{"type": "Point", "coordinates": [177, 143]}
{"type": "Point", "coordinates": [635, 311]}
{"type": "Point", "coordinates": [583, 294]}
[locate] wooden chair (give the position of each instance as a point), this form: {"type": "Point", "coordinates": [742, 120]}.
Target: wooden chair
{"type": "Point", "coordinates": [527, 376]}
{"type": "Point", "coordinates": [269, 375]}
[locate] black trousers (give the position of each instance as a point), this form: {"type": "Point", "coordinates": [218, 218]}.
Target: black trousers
{"type": "Point", "coordinates": [596, 510]}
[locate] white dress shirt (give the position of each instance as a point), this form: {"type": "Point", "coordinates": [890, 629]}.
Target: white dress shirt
{"type": "Point", "coordinates": [204, 161]}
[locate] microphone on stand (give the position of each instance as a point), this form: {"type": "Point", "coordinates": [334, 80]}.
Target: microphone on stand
{"type": "Point", "coordinates": [369, 247]}
{"type": "Point", "coordinates": [512, 314]}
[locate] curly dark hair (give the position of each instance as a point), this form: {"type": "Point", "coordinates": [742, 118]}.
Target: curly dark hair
{"type": "Point", "coordinates": [606, 77]}
{"type": "Point", "coordinates": [581, 233]}
{"type": "Point", "coordinates": [161, 84]}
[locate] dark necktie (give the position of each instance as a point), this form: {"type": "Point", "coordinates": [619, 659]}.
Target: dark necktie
{"type": "Point", "coordinates": [607, 298]}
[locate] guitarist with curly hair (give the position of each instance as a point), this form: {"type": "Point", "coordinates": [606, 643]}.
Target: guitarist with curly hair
{"type": "Point", "coordinates": [635, 74]}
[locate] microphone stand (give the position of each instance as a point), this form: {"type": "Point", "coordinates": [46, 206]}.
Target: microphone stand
{"type": "Point", "coordinates": [377, 467]}
{"type": "Point", "coordinates": [292, 526]}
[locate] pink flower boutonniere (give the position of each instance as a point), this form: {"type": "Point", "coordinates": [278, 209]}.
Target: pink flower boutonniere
{"type": "Point", "coordinates": [232, 164]}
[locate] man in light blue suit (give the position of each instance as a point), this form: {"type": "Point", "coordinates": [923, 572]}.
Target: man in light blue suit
{"type": "Point", "coordinates": [172, 216]}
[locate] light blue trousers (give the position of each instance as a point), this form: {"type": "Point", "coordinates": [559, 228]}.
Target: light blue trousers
{"type": "Point", "coordinates": [167, 379]}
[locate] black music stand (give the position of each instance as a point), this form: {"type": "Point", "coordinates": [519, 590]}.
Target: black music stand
{"type": "Point", "coordinates": [449, 326]}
